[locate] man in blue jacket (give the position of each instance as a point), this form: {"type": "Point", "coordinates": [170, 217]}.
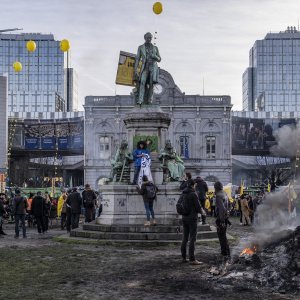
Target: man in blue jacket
{"type": "Point", "coordinates": [137, 155]}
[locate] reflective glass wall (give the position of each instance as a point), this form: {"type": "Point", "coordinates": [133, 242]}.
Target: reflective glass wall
{"type": "Point", "coordinates": [275, 81]}
{"type": "Point", "coordinates": [41, 81]}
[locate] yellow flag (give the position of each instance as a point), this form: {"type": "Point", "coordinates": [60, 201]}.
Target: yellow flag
{"type": "Point", "coordinates": [242, 188]}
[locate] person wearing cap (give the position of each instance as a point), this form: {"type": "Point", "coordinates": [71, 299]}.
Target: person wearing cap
{"type": "Point", "coordinates": [221, 217]}
{"type": "Point", "coordinates": [19, 210]}
{"type": "Point", "coordinates": [74, 201]}
{"type": "Point", "coordinates": [89, 202]}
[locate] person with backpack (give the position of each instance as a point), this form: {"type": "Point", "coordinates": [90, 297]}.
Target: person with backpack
{"type": "Point", "coordinates": [201, 190]}
{"type": "Point", "coordinates": [189, 206]}
{"type": "Point", "coordinates": [148, 190]}
{"type": "Point", "coordinates": [89, 203]}
{"type": "Point", "coordinates": [19, 211]}
{"type": "Point", "coordinates": [221, 220]}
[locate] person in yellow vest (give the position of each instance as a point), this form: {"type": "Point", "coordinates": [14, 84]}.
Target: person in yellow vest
{"type": "Point", "coordinates": [62, 209]}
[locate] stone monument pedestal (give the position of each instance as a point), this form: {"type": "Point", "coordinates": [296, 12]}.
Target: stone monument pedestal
{"type": "Point", "coordinates": [122, 204]}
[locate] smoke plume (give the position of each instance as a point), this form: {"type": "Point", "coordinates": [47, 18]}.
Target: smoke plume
{"type": "Point", "coordinates": [274, 219]}
{"type": "Point", "coordinates": [286, 138]}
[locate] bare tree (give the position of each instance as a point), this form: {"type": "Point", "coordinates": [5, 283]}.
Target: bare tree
{"type": "Point", "coordinates": [275, 170]}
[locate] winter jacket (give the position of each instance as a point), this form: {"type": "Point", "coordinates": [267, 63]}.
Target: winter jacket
{"type": "Point", "coordinates": [138, 160]}
{"type": "Point", "coordinates": [74, 200]}
{"type": "Point", "coordinates": [19, 205]}
{"type": "Point", "coordinates": [143, 190]}
{"type": "Point", "coordinates": [2, 209]}
{"type": "Point", "coordinates": [201, 188]}
{"type": "Point", "coordinates": [38, 206]}
{"type": "Point", "coordinates": [193, 204]}
{"type": "Point", "coordinates": [85, 195]}
{"type": "Point", "coordinates": [221, 211]}
{"type": "Point", "coordinates": [184, 184]}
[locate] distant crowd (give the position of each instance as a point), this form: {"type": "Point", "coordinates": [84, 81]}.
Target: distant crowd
{"type": "Point", "coordinates": [40, 210]}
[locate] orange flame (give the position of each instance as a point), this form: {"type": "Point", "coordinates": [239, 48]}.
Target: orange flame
{"type": "Point", "coordinates": [248, 251]}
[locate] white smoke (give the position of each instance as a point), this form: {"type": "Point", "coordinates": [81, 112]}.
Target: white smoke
{"type": "Point", "coordinates": [274, 219]}
{"type": "Point", "coordinates": [286, 138]}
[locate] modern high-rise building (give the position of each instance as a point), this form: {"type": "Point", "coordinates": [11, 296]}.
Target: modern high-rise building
{"type": "Point", "coordinates": [39, 87]}
{"type": "Point", "coordinates": [272, 80]}
{"type": "Point", "coordinates": [71, 90]}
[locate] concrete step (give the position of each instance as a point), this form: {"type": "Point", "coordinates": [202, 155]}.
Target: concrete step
{"type": "Point", "coordinates": [138, 235]}
{"type": "Point", "coordinates": [139, 228]}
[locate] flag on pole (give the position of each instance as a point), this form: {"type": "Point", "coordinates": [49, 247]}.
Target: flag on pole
{"type": "Point", "coordinates": [242, 188]}
{"type": "Point", "coordinates": [186, 146]}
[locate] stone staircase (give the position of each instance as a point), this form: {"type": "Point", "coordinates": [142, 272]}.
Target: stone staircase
{"type": "Point", "coordinates": [139, 234]}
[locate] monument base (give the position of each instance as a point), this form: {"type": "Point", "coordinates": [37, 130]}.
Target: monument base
{"type": "Point", "coordinates": [122, 204]}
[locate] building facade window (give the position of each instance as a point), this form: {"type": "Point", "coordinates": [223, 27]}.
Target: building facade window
{"type": "Point", "coordinates": [211, 147]}
{"type": "Point", "coordinates": [104, 147]}
{"type": "Point", "coordinates": [184, 146]}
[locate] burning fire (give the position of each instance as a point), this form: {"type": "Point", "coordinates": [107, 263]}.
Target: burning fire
{"type": "Point", "coordinates": [249, 251]}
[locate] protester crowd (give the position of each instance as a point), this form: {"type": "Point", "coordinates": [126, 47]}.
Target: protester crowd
{"type": "Point", "coordinates": [40, 210]}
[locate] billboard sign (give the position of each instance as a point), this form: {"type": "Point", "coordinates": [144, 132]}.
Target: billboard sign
{"type": "Point", "coordinates": [48, 135]}
{"type": "Point", "coordinates": [255, 136]}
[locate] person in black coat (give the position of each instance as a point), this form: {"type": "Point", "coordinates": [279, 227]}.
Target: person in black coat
{"type": "Point", "coordinates": [89, 202]}
{"type": "Point", "coordinates": [221, 220]}
{"type": "Point", "coordinates": [38, 210]}
{"type": "Point", "coordinates": [190, 222]}
{"type": "Point", "coordinates": [74, 201]}
{"type": "Point", "coordinates": [2, 213]}
{"type": "Point", "coordinates": [19, 209]}
{"type": "Point", "coordinates": [184, 184]}
{"type": "Point", "coordinates": [201, 190]}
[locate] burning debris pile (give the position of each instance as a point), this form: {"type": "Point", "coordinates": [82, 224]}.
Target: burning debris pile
{"type": "Point", "coordinates": [271, 257]}
{"type": "Point", "coordinates": [277, 266]}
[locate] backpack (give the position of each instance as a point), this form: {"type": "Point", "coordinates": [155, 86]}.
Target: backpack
{"type": "Point", "coordinates": [150, 191]}
{"type": "Point", "coordinates": [89, 199]}
{"type": "Point", "coordinates": [182, 206]}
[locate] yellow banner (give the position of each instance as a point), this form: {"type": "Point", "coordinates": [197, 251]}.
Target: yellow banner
{"type": "Point", "coordinates": [125, 73]}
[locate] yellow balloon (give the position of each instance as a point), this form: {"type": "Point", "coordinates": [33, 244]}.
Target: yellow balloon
{"type": "Point", "coordinates": [64, 45]}
{"type": "Point", "coordinates": [31, 46]}
{"type": "Point", "coordinates": [17, 66]}
{"type": "Point", "coordinates": [157, 8]}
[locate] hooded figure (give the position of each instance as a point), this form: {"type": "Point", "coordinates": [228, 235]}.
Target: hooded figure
{"type": "Point", "coordinates": [221, 217]}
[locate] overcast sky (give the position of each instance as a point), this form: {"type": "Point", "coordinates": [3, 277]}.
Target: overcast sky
{"type": "Point", "coordinates": [197, 39]}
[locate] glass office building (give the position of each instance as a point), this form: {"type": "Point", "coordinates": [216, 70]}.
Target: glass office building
{"type": "Point", "coordinates": [39, 87]}
{"type": "Point", "coordinates": [272, 80]}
